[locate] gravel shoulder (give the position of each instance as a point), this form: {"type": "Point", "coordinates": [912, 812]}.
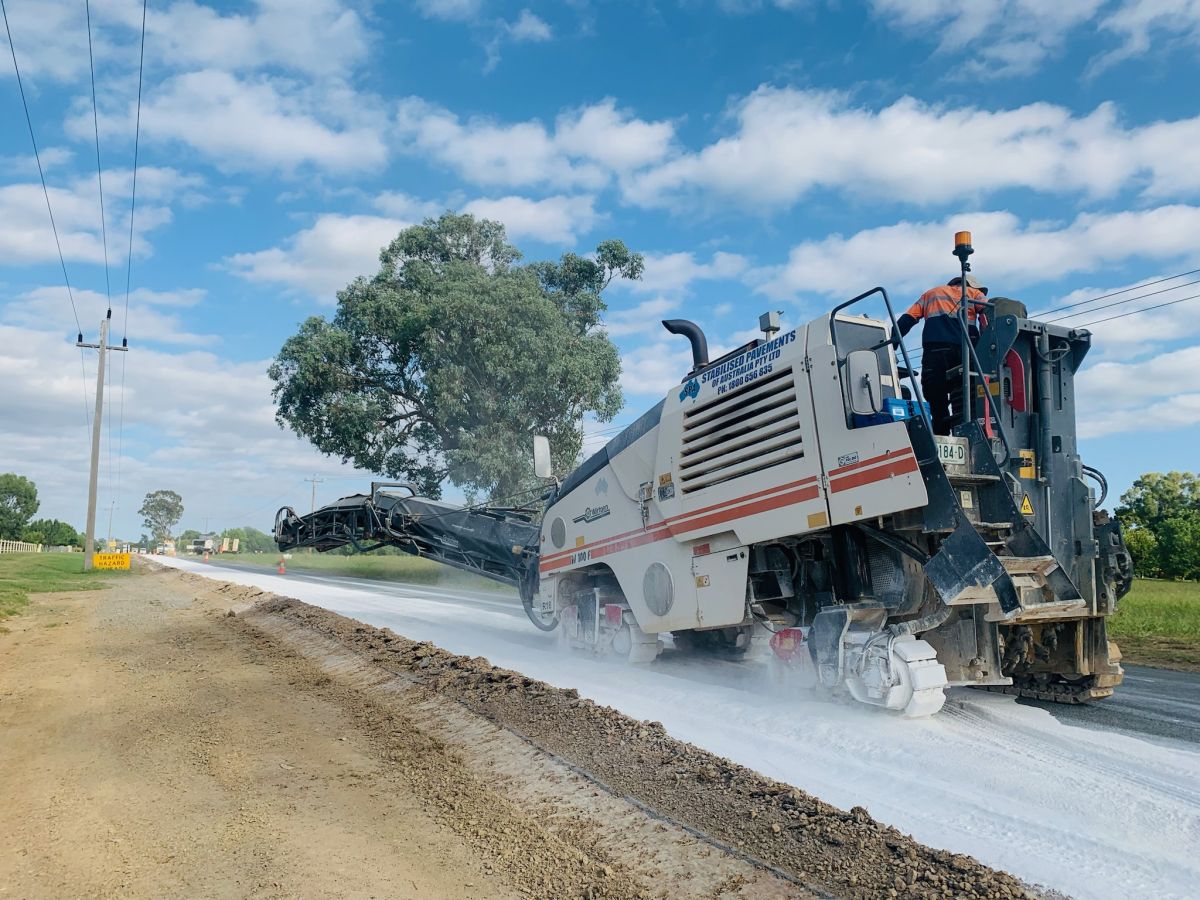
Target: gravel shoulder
{"type": "Point", "coordinates": [151, 750]}
{"type": "Point", "coordinates": [177, 735]}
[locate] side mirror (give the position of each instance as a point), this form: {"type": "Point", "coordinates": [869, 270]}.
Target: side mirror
{"type": "Point", "coordinates": [863, 382]}
{"type": "Point", "coordinates": [541, 457]}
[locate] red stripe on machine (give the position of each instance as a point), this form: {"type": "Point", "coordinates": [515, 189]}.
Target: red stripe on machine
{"type": "Point", "coordinates": [734, 509]}
{"type": "Point", "coordinates": [891, 454]}
{"type": "Point", "coordinates": [566, 554]}
{"type": "Point", "coordinates": [749, 509]}
{"type": "Point", "coordinates": [870, 476]}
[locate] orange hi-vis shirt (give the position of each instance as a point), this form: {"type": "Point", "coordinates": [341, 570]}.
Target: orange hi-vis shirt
{"type": "Point", "coordinates": [938, 306]}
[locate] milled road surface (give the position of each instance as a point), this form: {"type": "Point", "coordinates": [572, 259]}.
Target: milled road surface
{"type": "Point", "coordinates": [1097, 811]}
{"type": "Point", "coordinates": [1157, 703]}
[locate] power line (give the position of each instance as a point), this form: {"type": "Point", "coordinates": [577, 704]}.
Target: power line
{"type": "Point", "coordinates": [1134, 312]}
{"type": "Point", "coordinates": [49, 209]}
{"type": "Point", "coordinates": [1096, 309]}
{"type": "Point", "coordinates": [1117, 293]}
{"type": "Point", "coordinates": [41, 174]}
{"type": "Point", "coordinates": [103, 221]}
{"type": "Point", "coordinates": [137, 132]}
{"type": "Point", "coordinates": [99, 176]}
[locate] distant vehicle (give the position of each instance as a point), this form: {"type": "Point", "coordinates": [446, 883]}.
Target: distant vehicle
{"type": "Point", "coordinates": [208, 543]}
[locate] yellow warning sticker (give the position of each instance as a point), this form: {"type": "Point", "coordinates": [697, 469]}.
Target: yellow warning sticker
{"type": "Point", "coordinates": [1028, 464]}
{"type": "Point", "coordinates": [1026, 506]}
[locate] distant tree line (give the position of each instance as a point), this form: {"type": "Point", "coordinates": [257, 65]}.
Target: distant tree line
{"type": "Point", "coordinates": [1161, 518]}
{"type": "Point", "coordinates": [18, 504]}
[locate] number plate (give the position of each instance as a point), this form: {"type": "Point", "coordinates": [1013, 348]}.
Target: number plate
{"type": "Point", "coordinates": [952, 451]}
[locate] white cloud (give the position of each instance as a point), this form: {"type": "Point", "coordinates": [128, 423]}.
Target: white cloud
{"type": "Point", "coordinates": [1169, 414]}
{"type": "Point", "coordinates": [450, 10]}
{"type": "Point", "coordinates": [675, 272]}
{"type": "Point", "coordinates": [652, 370]}
{"type": "Point", "coordinates": [399, 205]}
{"type": "Point", "coordinates": [322, 259]}
{"type": "Point", "coordinates": [1155, 394]}
{"type": "Point", "coordinates": [1014, 37]}
{"type": "Point", "coordinates": [585, 147]}
{"type": "Point", "coordinates": [1010, 254]}
{"type": "Point", "coordinates": [26, 236]}
{"type": "Point", "coordinates": [221, 449]}
{"type": "Point", "coordinates": [789, 142]}
{"type": "Point", "coordinates": [555, 220]}
{"type": "Point", "coordinates": [153, 315]}
{"type": "Point", "coordinates": [319, 37]}
{"type": "Point", "coordinates": [1139, 22]}
{"type": "Point", "coordinates": [315, 37]}
{"type": "Point", "coordinates": [997, 37]}
{"type": "Point", "coordinates": [248, 123]}
{"type": "Point", "coordinates": [641, 320]}
{"type": "Point", "coordinates": [50, 39]}
{"type": "Point", "coordinates": [529, 27]}
{"type": "Point", "coordinates": [613, 138]}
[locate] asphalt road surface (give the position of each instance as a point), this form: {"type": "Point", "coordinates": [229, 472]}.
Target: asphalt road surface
{"type": "Point", "coordinates": [1157, 703]}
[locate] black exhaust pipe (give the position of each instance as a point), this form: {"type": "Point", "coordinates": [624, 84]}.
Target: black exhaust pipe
{"type": "Point", "coordinates": [692, 332]}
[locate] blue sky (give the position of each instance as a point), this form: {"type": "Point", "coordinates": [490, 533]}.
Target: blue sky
{"type": "Point", "coordinates": [762, 155]}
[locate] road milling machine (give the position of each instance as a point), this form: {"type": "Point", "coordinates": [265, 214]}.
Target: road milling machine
{"type": "Point", "coordinates": [795, 485]}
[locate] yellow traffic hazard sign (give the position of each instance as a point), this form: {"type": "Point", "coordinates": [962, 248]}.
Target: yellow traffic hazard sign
{"type": "Point", "coordinates": [110, 560]}
{"type": "Point", "coordinates": [1026, 506]}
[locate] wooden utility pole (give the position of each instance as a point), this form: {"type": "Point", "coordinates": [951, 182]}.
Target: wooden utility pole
{"type": "Point", "coordinates": [89, 543]}
{"type": "Point", "coordinates": [315, 481]}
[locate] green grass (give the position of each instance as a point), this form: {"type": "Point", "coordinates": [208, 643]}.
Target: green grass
{"type": "Point", "coordinates": [410, 569]}
{"type": "Point", "coordinates": [22, 574]}
{"type": "Point", "coordinates": [1158, 623]}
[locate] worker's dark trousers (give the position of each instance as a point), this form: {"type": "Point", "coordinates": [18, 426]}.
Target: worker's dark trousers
{"type": "Point", "coordinates": [942, 391]}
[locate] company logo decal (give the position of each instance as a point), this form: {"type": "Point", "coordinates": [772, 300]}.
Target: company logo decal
{"type": "Point", "coordinates": [748, 366]}
{"type": "Point", "coordinates": [601, 486]}
{"type": "Point", "coordinates": [592, 513]}
{"type": "Point", "coordinates": [691, 389]}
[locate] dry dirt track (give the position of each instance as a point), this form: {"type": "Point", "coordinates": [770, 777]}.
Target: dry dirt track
{"type": "Point", "coordinates": [154, 745]}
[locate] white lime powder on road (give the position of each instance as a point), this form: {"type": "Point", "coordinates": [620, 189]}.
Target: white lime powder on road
{"type": "Point", "coordinates": [1092, 813]}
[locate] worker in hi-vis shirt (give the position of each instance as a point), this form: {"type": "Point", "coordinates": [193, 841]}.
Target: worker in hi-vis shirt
{"type": "Point", "coordinates": [941, 345]}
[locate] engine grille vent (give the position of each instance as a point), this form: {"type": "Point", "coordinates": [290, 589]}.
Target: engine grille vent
{"type": "Point", "coordinates": [746, 430]}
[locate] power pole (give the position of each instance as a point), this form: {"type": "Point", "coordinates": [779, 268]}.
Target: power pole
{"type": "Point", "coordinates": [315, 481]}
{"type": "Point", "coordinates": [89, 543]}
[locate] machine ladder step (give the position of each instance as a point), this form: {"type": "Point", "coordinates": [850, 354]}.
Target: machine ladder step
{"type": "Point", "coordinates": [971, 478]}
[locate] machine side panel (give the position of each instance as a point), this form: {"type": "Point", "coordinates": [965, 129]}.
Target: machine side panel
{"type": "Point", "coordinates": [597, 524]}
{"type": "Point", "coordinates": [870, 470]}
{"type": "Point", "coordinates": [737, 450]}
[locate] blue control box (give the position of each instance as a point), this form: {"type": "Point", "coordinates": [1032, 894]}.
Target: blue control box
{"type": "Point", "coordinates": [894, 409]}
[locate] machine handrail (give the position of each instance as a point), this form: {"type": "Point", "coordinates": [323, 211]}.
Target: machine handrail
{"type": "Point", "coordinates": [912, 378]}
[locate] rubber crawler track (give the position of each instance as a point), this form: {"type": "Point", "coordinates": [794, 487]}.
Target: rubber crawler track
{"type": "Point", "coordinates": [1054, 693]}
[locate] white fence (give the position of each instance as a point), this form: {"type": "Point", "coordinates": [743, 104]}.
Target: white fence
{"type": "Point", "coordinates": [19, 547]}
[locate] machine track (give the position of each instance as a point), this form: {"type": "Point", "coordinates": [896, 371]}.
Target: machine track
{"type": "Point", "coordinates": [1054, 692]}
